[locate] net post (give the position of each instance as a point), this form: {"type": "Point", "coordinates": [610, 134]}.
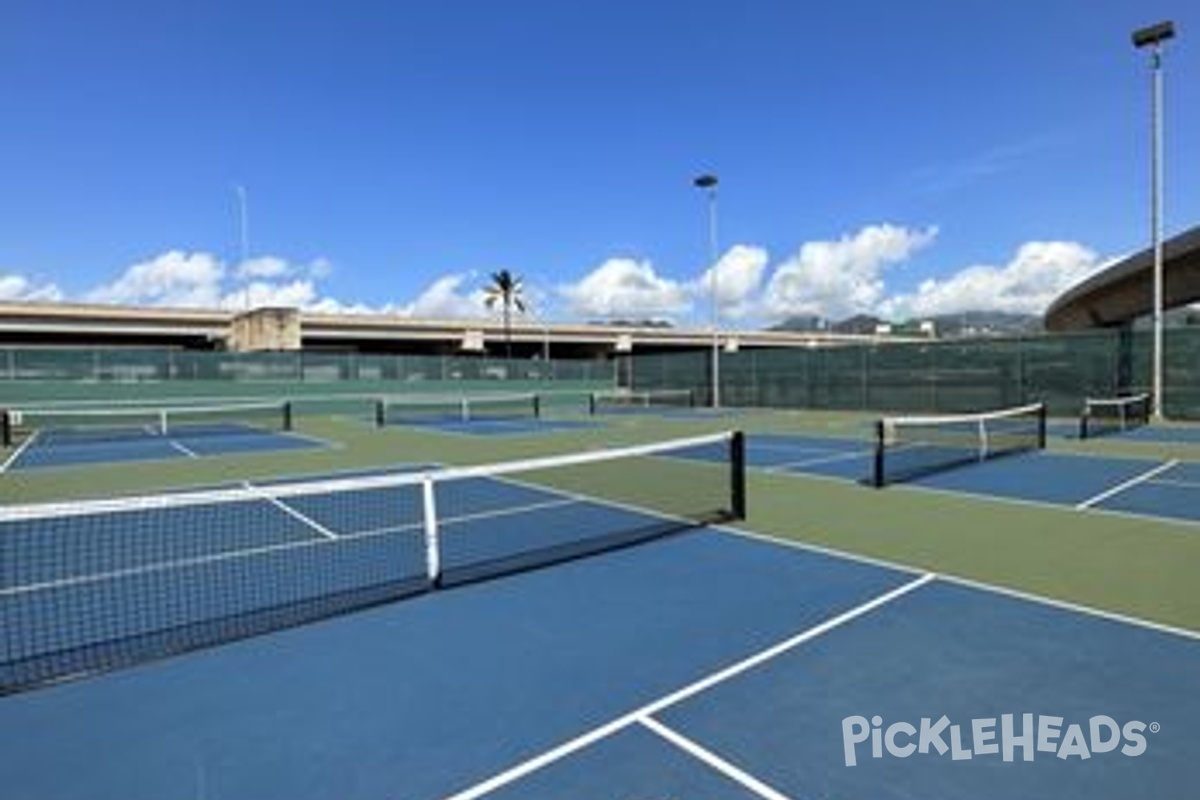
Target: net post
{"type": "Point", "coordinates": [1041, 426]}
{"type": "Point", "coordinates": [537, 406]}
{"type": "Point", "coordinates": [1083, 423]}
{"type": "Point", "coordinates": [592, 404]}
{"type": "Point", "coordinates": [737, 464]}
{"type": "Point", "coordinates": [163, 430]}
{"type": "Point", "coordinates": [464, 410]}
{"type": "Point", "coordinates": [380, 412]}
{"type": "Point", "coordinates": [691, 398]}
{"type": "Point", "coordinates": [6, 428]}
{"type": "Point", "coordinates": [880, 437]}
{"type": "Point", "coordinates": [433, 565]}
{"type": "Point", "coordinates": [287, 415]}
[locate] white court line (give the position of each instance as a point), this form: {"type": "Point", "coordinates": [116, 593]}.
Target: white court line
{"type": "Point", "coordinates": [1067, 605]}
{"type": "Point", "coordinates": [285, 508]}
{"type": "Point", "coordinates": [1129, 484]}
{"type": "Point", "coordinates": [305, 437]}
{"type": "Point", "coordinates": [812, 462]}
{"type": "Point", "coordinates": [964, 494]}
{"type": "Point", "coordinates": [713, 760]}
{"type": "Point", "coordinates": [635, 717]}
{"type": "Point", "coordinates": [17, 453]}
{"type": "Point", "coordinates": [1178, 484]}
{"type": "Point", "coordinates": [232, 555]}
{"type": "Point", "coordinates": [981, 586]}
{"type": "Point", "coordinates": [443, 522]}
{"type": "Point", "coordinates": [161, 566]}
{"type": "Point", "coordinates": [758, 444]}
{"type": "Point", "coordinates": [187, 451]}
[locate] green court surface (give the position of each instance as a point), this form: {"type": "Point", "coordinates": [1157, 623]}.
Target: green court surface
{"type": "Point", "coordinates": [1129, 565]}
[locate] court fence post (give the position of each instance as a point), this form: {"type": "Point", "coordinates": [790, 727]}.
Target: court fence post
{"type": "Point", "coordinates": [737, 459]}
{"type": "Point", "coordinates": [877, 476]}
{"type": "Point", "coordinates": [1042, 426]}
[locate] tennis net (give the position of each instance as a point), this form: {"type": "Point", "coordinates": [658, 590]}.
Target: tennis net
{"type": "Point", "coordinates": [70, 424]}
{"type": "Point", "coordinates": [406, 409]}
{"type": "Point", "coordinates": [911, 447]}
{"type": "Point", "coordinates": [636, 399]}
{"type": "Point", "coordinates": [95, 585]}
{"type": "Point", "coordinates": [1103, 416]}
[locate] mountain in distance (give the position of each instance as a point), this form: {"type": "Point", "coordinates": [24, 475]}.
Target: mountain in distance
{"type": "Point", "coordinates": [987, 323]}
{"type": "Point", "coordinates": [967, 323]}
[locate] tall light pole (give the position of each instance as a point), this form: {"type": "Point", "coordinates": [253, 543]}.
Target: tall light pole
{"type": "Point", "coordinates": [243, 237]}
{"type": "Point", "coordinates": [708, 184]}
{"type": "Point", "coordinates": [1153, 37]}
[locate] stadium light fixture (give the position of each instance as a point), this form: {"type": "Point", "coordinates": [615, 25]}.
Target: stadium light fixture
{"type": "Point", "coordinates": [708, 184]}
{"type": "Point", "coordinates": [1152, 37]}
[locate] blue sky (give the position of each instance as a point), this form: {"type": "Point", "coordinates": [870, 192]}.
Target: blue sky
{"type": "Point", "coordinates": [894, 158]}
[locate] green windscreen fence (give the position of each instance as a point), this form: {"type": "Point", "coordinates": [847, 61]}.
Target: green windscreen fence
{"type": "Point", "coordinates": [113, 374]}
{"type": "Point", "coordinates": [950, 376]}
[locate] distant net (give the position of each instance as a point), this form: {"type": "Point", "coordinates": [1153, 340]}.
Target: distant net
{"type": "Point", "coordinates": [417, 409]}
{"type": "Point", "coordinates": [94, 585]}
{"type": "Point", "coordinates": [911, 447]}
{"type": "Point", "coordinates": [1104, 416]}
{"type": "Point", "coordinates": [71, 424]}
{"type": "Point", "coordinates": [618, 400]}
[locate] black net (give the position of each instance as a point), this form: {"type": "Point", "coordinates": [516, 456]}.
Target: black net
{"type": "Point", "coordinates": [609, 402]}
{"type": "Point", "coordinates": [1109, 415]}
{"type": "Point", "coordinates": [911, 447]}
{"type": "Point", "coordinates": [68, 423]}
{"type": "Point", "coordinates": [91, 586]}
{"type": "Point", "coordinates": [432, 408]}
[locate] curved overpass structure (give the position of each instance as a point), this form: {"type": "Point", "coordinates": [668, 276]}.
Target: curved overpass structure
{"type": "Point", "coordinates": [1125, 291]}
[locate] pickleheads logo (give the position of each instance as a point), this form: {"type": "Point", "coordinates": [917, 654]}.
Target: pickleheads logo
{"type": "Point", "coordinates": [1045, 734]}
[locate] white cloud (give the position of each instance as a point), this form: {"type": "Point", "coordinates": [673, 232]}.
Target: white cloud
{"type": "Point", "coordinates": [833, 279]}
{"type": "Point", "coordinates": [625, 287]}
{"type": "Point", "coordinates": [319, 269]}
{"type": "Point", "coordinates": [1037, 274]}
{"type": "Point", "coordinates": [839, 278]}
{"type": "Point", "coordinates": [201, 280]}
{"type": "Point", "coordinates": [174, 278]}
{"type": "Point", "coordinates": [263, 267]}
{"type": "Point", "coordinates": [15, 287]}
{"type": "Point", "coordinates": [259, 294]}
{"type": "Point", "coordinates": [739, 281]}
{"type": "Point", "coordinates": [329, 305]}
{"type": "Point", "coordinates": [446, 298]}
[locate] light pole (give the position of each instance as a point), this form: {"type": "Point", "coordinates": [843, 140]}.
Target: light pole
{"type": "Point", "coordinates": [1153, 37]}
{"type": "Point", "coordinates": [243, 238]}
{"type": "Point", "coordinates": [708, 184]}
{"type": "Point", "coordinates": [243, 223]}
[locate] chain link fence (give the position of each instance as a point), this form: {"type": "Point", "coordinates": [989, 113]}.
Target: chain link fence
{"type": "Point", "coordinates": [110, 374]}
{"type": "Point", "coordinates": [943, 376]}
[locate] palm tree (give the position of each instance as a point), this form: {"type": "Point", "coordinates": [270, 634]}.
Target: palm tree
{"type": "Point", "coordinates": [505, 288]}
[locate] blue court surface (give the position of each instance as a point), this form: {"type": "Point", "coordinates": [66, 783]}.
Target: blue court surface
{"type": "Point", "coordinates": [1157, 434]}
{"type": "Point", "coordinates": [1164, 490]}
{"type": "Point", "coordinates": [39, 452]}
{"type": "Point", "coordinates": [704, 665]}
{"type": "Point", "coordinates": [1164, 434]}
